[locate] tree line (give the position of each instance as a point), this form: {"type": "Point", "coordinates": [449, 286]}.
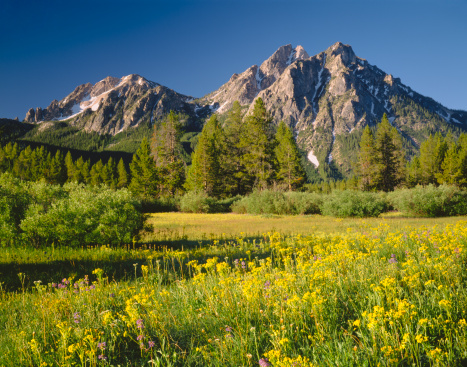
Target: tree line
{"type": "Point", "coordinates": [230, 158]}
{"type": "Point", "coordinates": [382, 163]}
{"type": "Point", "coordinates": [236, 154]}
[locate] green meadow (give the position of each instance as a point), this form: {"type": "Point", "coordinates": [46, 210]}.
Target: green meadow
{"type": "Point", "coordinates": [243, 290]}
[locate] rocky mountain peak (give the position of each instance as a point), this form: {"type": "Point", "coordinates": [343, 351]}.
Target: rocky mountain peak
{"type": "Point", "coordinates": [271, 69]}
{"type": "Point", "coordinates": [344, 52]}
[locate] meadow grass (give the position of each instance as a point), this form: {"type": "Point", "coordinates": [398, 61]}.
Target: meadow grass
{"type": "Point", "coordinates": [385, 295]}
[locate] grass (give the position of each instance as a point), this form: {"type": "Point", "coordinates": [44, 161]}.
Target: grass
{"type": "Point", "coordinates": [369, 296]}
{"type": "Point", "coordinates": [192, 228]}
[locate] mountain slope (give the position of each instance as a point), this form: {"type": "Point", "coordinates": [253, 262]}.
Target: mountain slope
{"type": "Point", "coordinates": [326, 97]}
{"type": "Point", "coordinates": [113, 105]}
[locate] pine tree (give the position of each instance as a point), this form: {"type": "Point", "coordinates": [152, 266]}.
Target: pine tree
{"type": "Point", "coordinates": [122, 175]}
{"type": "Point", "coordinates": [432, 152]}
{"type": "Point", "coordinates": [366, 160]}
{"type": "Point", "coordinates": [205, 173]}
{"type": "Point", "coordinates": [96, 173]}
{"type": "Point", "coordinates": [389, 167]}
{"type": "Point", "coordinates": [144, 181]}
{"type": "Point", "coordinates": [257, 140]}
{"type": "Point", "coordinates": [235, 176]}
{"type": "Point", "coordinates": [450, 167]}
{"type": "Point", "coordinates": [70, 167]}
{"type": "Point", "coordinates": [289, 169]}
{"type": "Point", "coordinates": [167, 151]}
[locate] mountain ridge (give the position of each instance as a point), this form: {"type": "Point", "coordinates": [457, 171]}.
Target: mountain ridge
{"type": "Point", "coordinates": [324, 98]}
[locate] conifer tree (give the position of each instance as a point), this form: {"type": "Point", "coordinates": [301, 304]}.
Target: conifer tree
{"type": "Point", "coordinates": [70, 167]}
{"type": "Point", "coordinates": [144, 173]}
{"type": "Point", "coordinates": [96, 173]}
{"type": "Point", "coordinates": [432, 153]}
{"type": "Point", "coordinates": [167, 151]}
{"type": "Point", "coordinates": [389, 168]}
{"type": "Point", "coordinates": [122, 175]}
{"type": "Point", "coordinates": [289, 168]}
{"type": "Point", "coordinates": [205, 173]}
{"type": "Point", "coordinates": [257, 140]}
{"type": "Point", "coordinates": [235, 176]}
{"type": "Point", "coordinates": [450, 167]}
{"type": "Point", "coordinates": [109, 174]}
{"type": "Point", "coordinates": [366, 160]}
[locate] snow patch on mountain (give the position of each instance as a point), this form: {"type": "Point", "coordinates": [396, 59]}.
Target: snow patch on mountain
{"type": "Point", "coordinates": [313, 159]}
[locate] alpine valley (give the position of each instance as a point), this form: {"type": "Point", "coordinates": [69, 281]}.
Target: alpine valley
{"type": "Point", "coordinates": [326, 99]}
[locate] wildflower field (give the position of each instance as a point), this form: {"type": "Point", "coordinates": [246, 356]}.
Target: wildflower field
{"type": "Point", "coordinates": [377, 294]}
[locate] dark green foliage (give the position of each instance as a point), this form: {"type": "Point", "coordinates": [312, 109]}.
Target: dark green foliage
{"type": "Point", "coordinates": [430, 201]}
{"type": "Point", "coordinates": [366, 160]}
{"type": "Point", "coordinates": [257, 143]}
{"type": "Point", "coordinates": [63, 135]}
{"type": "Point", "coordinates": [167, 151]}
{"type": "Point", "coordinates": [144, 175]}
{"type": "Point", "coordinates": [12, 129]}
{"type": "Point", "coordinates": [206, 173]}
{"type": "Point", "coordinates": [389, 164]}
{"type": "Point", "coordinates": [289, 168]}
{"type": "Point", "coordinates": [351, 203]}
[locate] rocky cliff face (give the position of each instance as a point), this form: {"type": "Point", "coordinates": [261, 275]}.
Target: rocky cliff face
{"type": "Point", "coordinates": [113, 105]}
{"type": "Point", "coordinates": [326, 97]}
{"type": "Point", "coordinates": [245, 87]}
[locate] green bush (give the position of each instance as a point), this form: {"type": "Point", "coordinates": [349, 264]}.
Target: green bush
{"type": "Point", "coordinates": [430, 201]}
{"type": "Point", "coordinates": [276, 202]}
{"type": "Point", "coordinates": [350, 203]}
{"type": "Point", "coordinates": [196, 202]}
{"type": "Point", "coordinates": [305, 202]}
{"type": "Point", "coordinates": [37, 214]}
{"type": "Point", "coordinates": [200, 202]}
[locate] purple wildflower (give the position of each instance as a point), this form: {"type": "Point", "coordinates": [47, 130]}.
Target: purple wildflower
{"type": "Point", "coordinates": [112, 295]}
{"type": "Point", "coordinates": [61, 286]}
{"type": "Point", "coordinates": [139, 324]}
{"type": "Point", "coordinates": [151, 344]}
{"type": "Point", "coordinates": [77, 317]}
{"type": "Point", "coordinates": [102, 357]}
{"type": "Point", "coordinates": [267, 284]}
{"type": "Point", "coordinates": [243, 265]}
{"type": "Point", "coordinates": [54, 285]}
{"type": "Point", "coordinates": [393, 259]}
{"type": "Point", "coordinates": [228, 328]}
{"type": "Point", "coordinates": [92, 287]}
{"type": "Point", "coordinates": [140, 337]}
{"type": "Point", "coordinates": [264, 362]}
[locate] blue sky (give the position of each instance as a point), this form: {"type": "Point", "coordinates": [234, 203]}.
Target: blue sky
{"type": "Point", "coordinates": [50, 47]}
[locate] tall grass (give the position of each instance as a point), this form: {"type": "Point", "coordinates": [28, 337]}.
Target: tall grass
{"type": "Point", "coordinates": [371, 298]}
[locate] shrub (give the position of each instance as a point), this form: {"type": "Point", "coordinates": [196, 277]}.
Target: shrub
{"type": "Point", "coordinates": [304, 202]}
{"type": "Point", "coordinates": [196, 202]}
{"type": "Point", "coordinates": [276, 202]}
{"type": "Point", "coordinates": [430, 201]}
{"type": "Point", "coordinates": [38, 214]}
{"type": "Point", "coordinates": [200, 202]}
{"type": "Point", "coordinates": [350, 203]}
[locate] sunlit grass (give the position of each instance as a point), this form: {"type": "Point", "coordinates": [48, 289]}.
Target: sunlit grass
{"type": "Point", "coordinates": [367, 296]}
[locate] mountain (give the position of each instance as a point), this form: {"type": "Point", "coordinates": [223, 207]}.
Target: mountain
{"type": "Point", "coordinates": [327, 100]}
{"type": "Point", "coordinates": [113, 105]}
{"type": "Point", "coordinates": [328, 97]}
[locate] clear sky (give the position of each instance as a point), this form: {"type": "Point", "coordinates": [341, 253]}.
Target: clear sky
{"type": "Point", "coordinates": [50, 47]}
